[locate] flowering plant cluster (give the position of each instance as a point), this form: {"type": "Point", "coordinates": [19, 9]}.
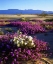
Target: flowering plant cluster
{"type": "Point", "coordinates": [11, 52]}
{"type": "Point", "coordinates": [47, 25]}
{"type": "Point", "coordinates": [28, 27]}
{"type": "Point", "coordinates": [18, 47]}
{"type": "Point", "coordinates": [24, 41]}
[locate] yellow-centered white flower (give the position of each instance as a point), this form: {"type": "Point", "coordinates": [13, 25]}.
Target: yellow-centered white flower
{"type": "Point", "coordinates": [18, 45]}
{"type": "Point", "coordinates": [30, 38]}
{"type": "Point", "coordinates": [24, 40]}
{"type": "Point", "coordinates": [25, 43]}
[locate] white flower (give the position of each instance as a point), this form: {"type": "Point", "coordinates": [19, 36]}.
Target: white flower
{"type": "Point", "coordinates": [20, 36]}
{"type": "Point", "coordinates": [22, 42]}
{"type": "Point", "coordinates": [15, 38]}
{"type": "Point", "coordinates": [32, 43]}
{"type": "Point", "coordinates": [26, 37]}
{"type": "Point", "coordinates": [23, 39]}
{"type": "Point", "coordinates": [25, 43]}
{"type": "Point", "coordinates": [23, 35]}
{"type": "Point", "coordinates": [30, 38]}
{"type": "Point", "coordinates": [18, 45]}
{"type": "Point", "coordinates": [20, 32]}
{"type": "Point", "coordinates": [17, 41]}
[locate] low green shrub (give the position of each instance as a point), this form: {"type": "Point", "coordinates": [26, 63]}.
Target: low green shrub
{"type": "Point", "coordinates": [1, 33]}
{"type": "Point", "coordinates": [49, 20]}
{"type": "Point", "coordinates": [9, 29]}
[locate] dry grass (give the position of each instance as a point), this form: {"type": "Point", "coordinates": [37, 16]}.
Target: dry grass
{"type": "Point", "coordinates": [16, 16]}
{"type": "Point", "coordinates": [24, 15]}
{"type": "Point", "coordinates": [50, 61]}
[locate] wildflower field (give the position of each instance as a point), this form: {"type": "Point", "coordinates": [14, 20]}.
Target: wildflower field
{"type": "Point", "coordinates": [18, 41]}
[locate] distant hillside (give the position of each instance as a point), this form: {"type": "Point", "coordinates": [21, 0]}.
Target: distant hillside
{"type": "Point", "coordinates": [17, 11]}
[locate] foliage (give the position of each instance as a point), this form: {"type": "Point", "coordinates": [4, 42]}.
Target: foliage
{"type": "Point", "coordinates": [8, 29]}
{"type": "Point", "coordinates": [1, 33]}
{"type": "Point", "coordinates": [24, 41]}
{"type": "Point", "coordinates": [23, 19]}
{"type": "Point", "coordinates": [11, 53]}
{"type": "Point", "coordinates": [43, 14]}
{"type": "Point", "coordinates": [28, 27]}
{"type": "Point", "coordinates": [49, 20]}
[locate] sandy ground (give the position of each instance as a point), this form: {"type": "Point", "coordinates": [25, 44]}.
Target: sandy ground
{"type": "Point", "coordinates": [26, 16]}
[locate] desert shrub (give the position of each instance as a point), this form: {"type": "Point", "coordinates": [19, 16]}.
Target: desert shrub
{"type": "Point", "coordinates": [23, 19]}
{"type": "Point", "coordinates": [49, 20]}
{"type": "Point", "coordinates": [9, 29]}
{"type": "Point", "coordinates": [43, 14]}
{"type": "Point", "coordinates": [1, 33]}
